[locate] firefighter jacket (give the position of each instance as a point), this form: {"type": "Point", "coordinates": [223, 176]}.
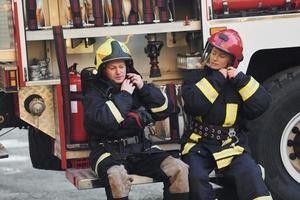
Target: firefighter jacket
{"type": "Point", "coordinates": [211, 99]}
{"type": "Point", "coordinates": [106, 109]}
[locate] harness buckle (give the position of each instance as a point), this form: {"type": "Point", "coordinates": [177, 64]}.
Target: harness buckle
{"type": "Point", "coordinates": [122, 141]}
{"type": "Point", "coordinates": [127, 141]}
{"type": "Point", "coordinates": [232, 134]}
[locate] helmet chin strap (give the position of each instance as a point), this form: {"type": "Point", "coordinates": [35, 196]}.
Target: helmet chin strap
{"type": "Point", "coordinates": [205, 56]}
{"type": "Point", "coordinates": [204, 62]}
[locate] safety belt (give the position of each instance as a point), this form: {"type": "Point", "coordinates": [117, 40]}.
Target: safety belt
{"type": "Point", "coordinates": [173, 118]}
{"type": "Point", "coordinates": [76, 13]}
{"type": "Point", "coordinates": [31, 13]}
{"type": "Point", "coordinates": [196, 9]}
{"type": "Point", "coordinates": [148, 11]}
{"type": "Point", "coordinates": [117, 12]}
{"type": "Point", "coordinates": [133, 16]}
{"type": "Point", "coordinates": [60, 49]}
{"type": "Point", "coordinates": [98, 13]}
{"type": "Point", "coordinates": [172, 9]}
{"type": "Point", "coordinates": [163, 6]}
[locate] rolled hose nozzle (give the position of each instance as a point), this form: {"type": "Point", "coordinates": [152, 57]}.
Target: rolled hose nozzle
{"type": "Point", "coordinates": [35, 105]}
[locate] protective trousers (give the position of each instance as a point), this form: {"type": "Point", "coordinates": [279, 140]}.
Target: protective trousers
{"type": "Point", "coordinates": [244, 171]}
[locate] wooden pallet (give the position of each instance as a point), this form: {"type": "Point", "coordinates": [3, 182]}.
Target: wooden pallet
{"type": "Point", "coordinates": [87, 179]}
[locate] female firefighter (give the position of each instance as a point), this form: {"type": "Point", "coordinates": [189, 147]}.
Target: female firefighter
{"type": "Point", "coordinates": [117, 108]}
{"type": "Point", "coordinates": [218, 99]}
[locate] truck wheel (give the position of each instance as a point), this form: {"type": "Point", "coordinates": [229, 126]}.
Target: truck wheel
{"type": "Point", "coordinates": [41, 150]}
{"type": "Point", "coordinates": [275, 136]}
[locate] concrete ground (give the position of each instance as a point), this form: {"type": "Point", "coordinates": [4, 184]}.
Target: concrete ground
{"type": "Point", "coordinates": [19, 181]}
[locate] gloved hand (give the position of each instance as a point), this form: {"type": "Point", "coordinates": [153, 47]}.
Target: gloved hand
{"type": "Point", "coordinates": [137, 119]}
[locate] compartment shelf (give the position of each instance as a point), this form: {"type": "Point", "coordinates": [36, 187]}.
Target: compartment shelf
{"type": "Point", "coordinates": [7, 55]}
{"type": "Point", "coordinates": [43, 82]}
{"type": "Point", "coordinates": [87, 32]}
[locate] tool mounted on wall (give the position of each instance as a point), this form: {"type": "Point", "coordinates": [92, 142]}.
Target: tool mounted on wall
{"type": "Point", "coordinates": [153, 50]}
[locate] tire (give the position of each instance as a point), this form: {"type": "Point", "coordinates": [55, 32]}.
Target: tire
{"type": "Point", "coordinates": [269, 135]}
{"type": "Point", "coordinates": [41, 150]}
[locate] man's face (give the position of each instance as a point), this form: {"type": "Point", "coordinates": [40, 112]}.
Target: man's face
{"type": "Point", "coordinates": [218, 59]}
{"type": "Point", "coordinates": [116, 71]}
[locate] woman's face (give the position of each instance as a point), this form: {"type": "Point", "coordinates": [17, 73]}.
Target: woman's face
{"type": "Point", "coordinates": [116, 71]}
{"type": "Point", "coordinates": [218, 59]}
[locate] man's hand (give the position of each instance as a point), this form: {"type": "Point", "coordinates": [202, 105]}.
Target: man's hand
{"type": "Point", "coordinates": [231, 72]}
{"type": "Point", "coordinates": [128, 86]}
{"type": "Point", "coordinates": [136, 80]}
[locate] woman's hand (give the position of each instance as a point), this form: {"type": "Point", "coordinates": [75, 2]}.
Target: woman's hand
{"type": "Point", "coordinates": [136, 80]}
{"type": "Point", "coordinates": [128, 86]}
{"type": "Point", "coordinates": [224, 72]}
{"type": "Point", "coordinates": [231, 72]}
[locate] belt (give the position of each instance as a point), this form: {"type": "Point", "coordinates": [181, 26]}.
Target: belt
{"type": "Point", "coordinates": [122, 141]}
{"type": "Point", "coordinates": [212, 132]}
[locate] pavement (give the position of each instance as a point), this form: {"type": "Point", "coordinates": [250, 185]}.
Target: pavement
{"type": "Point", "coordinates": [20, 181]}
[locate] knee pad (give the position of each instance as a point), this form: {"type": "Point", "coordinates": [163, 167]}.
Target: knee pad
{"type": "Point", "coordinates": [177, 171]}
{"type": "Point", "coordinates": [119, 181]}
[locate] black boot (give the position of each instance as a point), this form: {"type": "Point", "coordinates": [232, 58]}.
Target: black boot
{"type": "Point", "coordinates": [177, 196]}
{"type": "Point", "coordinates": [124, 198]}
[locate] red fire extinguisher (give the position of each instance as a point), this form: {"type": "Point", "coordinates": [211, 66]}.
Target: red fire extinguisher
{"type": "Point", "coordinates": [296, 3]}
{"type": "Point", "coordinates": [78, 133]}
{"type": "Point", "coordinates": [235, 5]}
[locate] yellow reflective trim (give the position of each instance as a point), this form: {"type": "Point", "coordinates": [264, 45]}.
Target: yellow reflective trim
{"type": "Point", "coordinates": [116, 113]}
{"type": "Point", "coordinates": [102, 157]}
{"type": "Point", "coordinates": [231, 113]}
{"type": "Point", "coordinates": [224, 162]}
{"type": "Point", "coordinates": [236, 150]}
{"type": "Point", "coordinates": [195, 137]}
{"type": "Point", "coordinates": [161, 108]}
{"type": "Point", "coordinates": [103, 51]}
{"type": "Point", "coordinates": [199, 118]}
{"type": "Point", "coordinates": [156, 146]}
{"type": "Point", "coordinates": [264, 198]}
{"type": "Point", "coordinates": [187, 147]}
{"type": "Point", "coordinates": [262, 170]}
{"type": "Point", "coordinates": [224, 142]}
{"type": "Point", "coordinates": [208, 90]}
{"type": "Point", "coordinates": [248, 90]}
{"type": "Point", "coordinates": [13, 83]}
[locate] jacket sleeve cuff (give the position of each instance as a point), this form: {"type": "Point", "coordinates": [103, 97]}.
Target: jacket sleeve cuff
{"type": "Point", "coordinates": [240, 80]}
{"type": "Point", "coordinates": [144, 90]}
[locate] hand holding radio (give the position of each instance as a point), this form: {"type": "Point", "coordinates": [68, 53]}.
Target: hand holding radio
{"type": "Point", "coordinates": [136, 80]}
{"type": "Point", "coordinates": [231, 72]}
{"type": "Point", "coordinates": [128, 86]}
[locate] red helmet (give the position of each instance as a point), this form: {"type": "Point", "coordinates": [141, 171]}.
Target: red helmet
{"type": "Point", "coordinates": [230, 42]}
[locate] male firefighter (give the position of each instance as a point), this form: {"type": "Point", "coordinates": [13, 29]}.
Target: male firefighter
{"type": "Point", "coordinates": [219, 99]}
{"type": "Point", "coordinates": [117, 108]}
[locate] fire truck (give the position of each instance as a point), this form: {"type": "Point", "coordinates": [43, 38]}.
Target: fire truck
{"type": "Point", "coordinates": [45, 45]}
